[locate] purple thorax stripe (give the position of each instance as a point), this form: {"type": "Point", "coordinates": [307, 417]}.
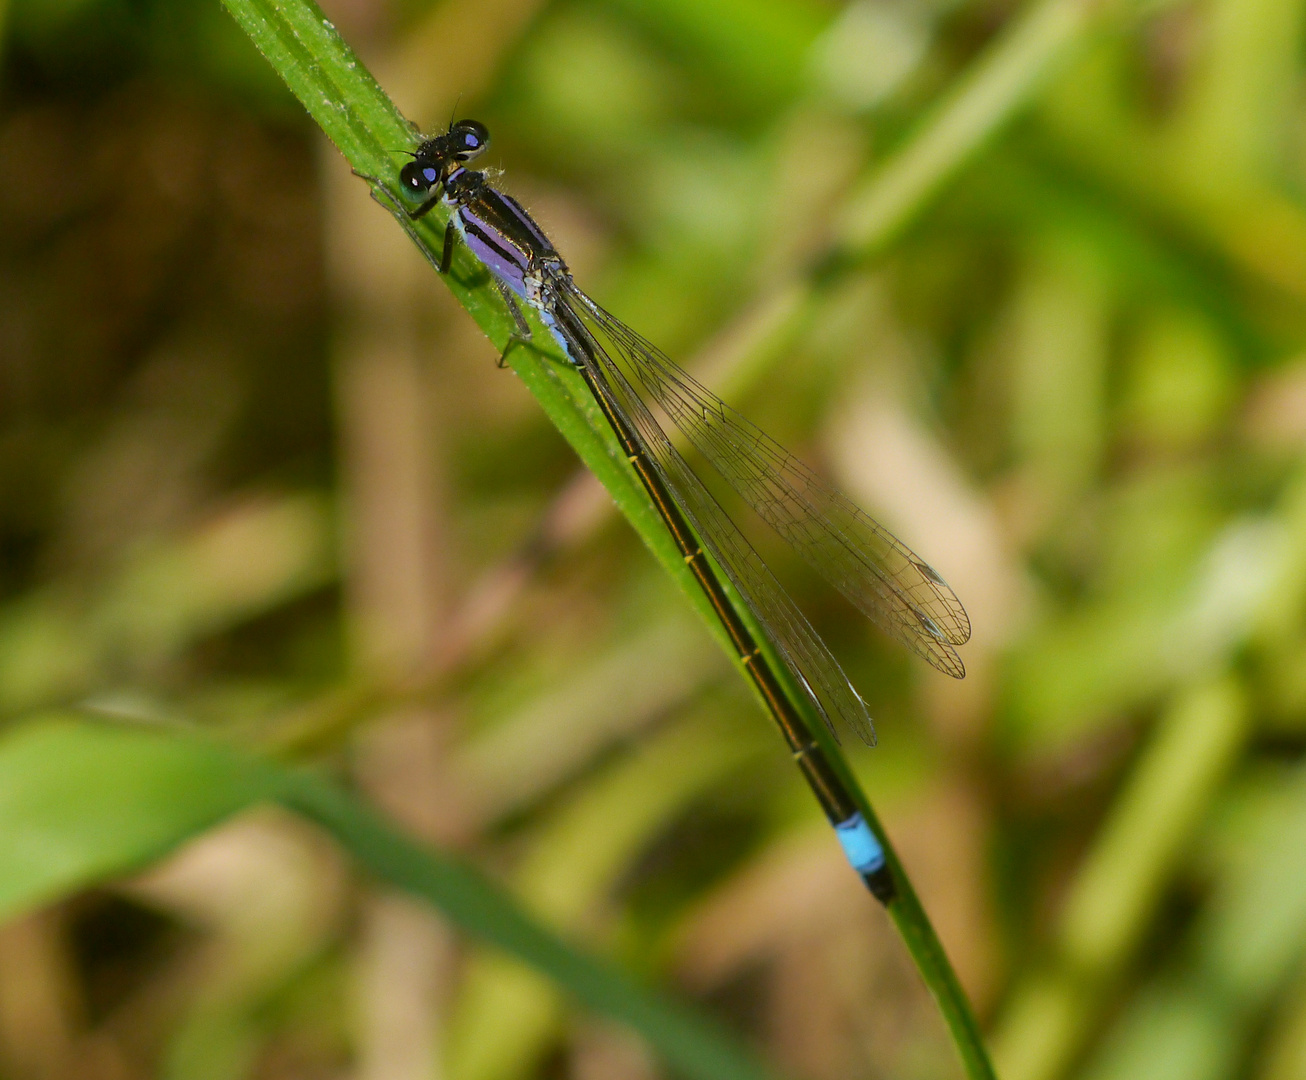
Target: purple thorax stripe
{"type": "Point", "coordinates": [504, 260]}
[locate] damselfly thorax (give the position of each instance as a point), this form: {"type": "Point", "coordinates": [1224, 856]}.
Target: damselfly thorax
{"type": "Point", "coordinates": [500, 233]}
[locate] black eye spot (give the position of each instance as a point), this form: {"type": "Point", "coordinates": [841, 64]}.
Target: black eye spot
{"type": "Point", "coordinates": [411, 178]}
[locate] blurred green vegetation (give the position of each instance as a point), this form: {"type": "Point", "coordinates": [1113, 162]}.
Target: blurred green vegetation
{"type": "Point", "coordinates": [259, 476]}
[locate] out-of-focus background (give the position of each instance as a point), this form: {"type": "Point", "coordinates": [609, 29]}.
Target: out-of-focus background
{"type": "Point", "coordinates": [259, 473]}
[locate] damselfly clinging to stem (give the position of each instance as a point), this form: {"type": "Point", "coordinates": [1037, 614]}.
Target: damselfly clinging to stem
{"type": "Point", "coordinates": [626, 374]}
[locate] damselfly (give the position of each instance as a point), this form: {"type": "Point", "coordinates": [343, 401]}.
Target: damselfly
{"type": "Point", "coordinates": [626, 375]}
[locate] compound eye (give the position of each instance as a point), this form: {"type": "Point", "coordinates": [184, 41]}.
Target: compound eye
{"type": "Point", "coordinates": [469, 138]}
{"type": "Point", "coordinates": [418, 177]}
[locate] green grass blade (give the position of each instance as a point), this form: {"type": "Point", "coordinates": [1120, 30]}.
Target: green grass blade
{"type": "Point", "coordinates": [79, 804]}
{"type": "Point", "coordinates": [82, 803]}
{"type": "Point", "coordinates": [686, 1042]}
{"type": "Point", "coordinates": [355, 113]}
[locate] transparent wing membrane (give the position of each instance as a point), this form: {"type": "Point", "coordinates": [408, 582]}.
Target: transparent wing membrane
{"type": "Point", "coordinates": [879, 574]}
{"type": "Point", "coordinates": [804, 654]}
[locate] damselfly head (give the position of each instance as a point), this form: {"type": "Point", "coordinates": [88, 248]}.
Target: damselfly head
{"type": "Point", "coordinates": [436, 158]}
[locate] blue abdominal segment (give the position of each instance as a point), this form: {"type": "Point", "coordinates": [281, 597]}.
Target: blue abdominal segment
{"type": "Point", "coordinates": [860, 845]}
